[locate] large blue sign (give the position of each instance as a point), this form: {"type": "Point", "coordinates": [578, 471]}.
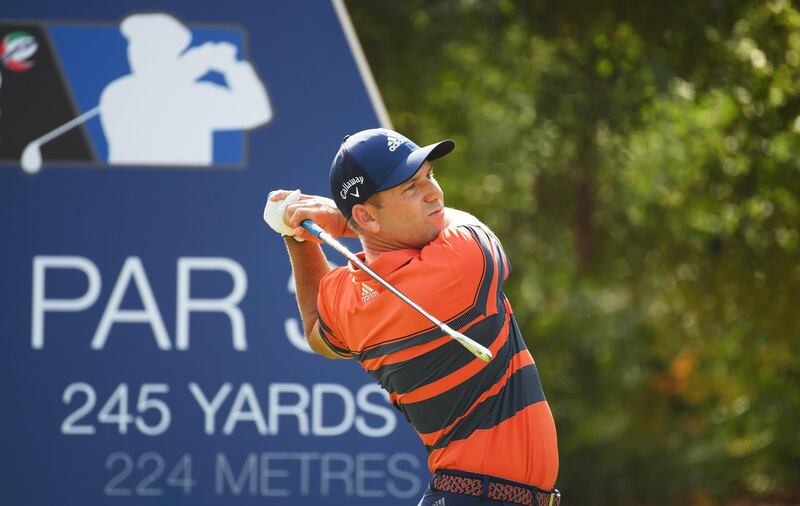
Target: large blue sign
{"type": "Point", "coordinates": [150, 347]}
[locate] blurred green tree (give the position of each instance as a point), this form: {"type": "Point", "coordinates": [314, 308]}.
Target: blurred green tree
{"type": "Point", "coordinates": [640, 163]}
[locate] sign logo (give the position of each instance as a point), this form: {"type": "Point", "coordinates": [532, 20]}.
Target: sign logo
{"type": "Point", "coordinates": [160, 93]}
{"type": "Point", "coordinates": [16, 49]}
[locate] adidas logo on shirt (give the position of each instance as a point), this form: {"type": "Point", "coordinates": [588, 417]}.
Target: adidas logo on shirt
{"type": "Point", "coordinates": [367, 293]}
{"type": "Point", "coordinates": [440, 502]}
{"type": "Point", "coordinates": [394, 142]}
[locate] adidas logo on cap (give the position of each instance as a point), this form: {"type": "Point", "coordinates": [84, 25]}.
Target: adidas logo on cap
{"type": "Point", "coordinates": [367, 293]}
{"type": "Point", "coordinates": [394, 142]}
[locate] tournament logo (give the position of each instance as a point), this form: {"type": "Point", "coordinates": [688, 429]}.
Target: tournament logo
{"type": "Point", "coordinates": [16, 49]}
{"type": "Point", "coordinates": [158, 93]}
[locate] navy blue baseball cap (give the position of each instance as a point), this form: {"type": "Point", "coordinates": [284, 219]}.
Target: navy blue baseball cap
{"type": "Point", "coordinates": [375, 160]}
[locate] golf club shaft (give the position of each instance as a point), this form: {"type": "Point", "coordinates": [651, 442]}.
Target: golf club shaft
{"type": "Point", "coordinates": [68, 126]}
{"type": "Point", "coordinates": [474, 347]}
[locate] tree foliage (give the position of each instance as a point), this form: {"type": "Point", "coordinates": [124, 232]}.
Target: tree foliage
{"type": "Point", "coordinates": [640, 163]}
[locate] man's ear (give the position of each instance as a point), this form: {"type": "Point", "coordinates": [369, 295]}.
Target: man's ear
{"type": "Point", "coordinates": [365, 217]}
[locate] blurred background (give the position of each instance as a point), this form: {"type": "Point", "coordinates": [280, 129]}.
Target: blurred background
{"type": "Point", "coordinates": [639, 161]}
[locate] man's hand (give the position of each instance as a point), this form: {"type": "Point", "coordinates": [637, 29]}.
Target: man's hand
{"type": "Point", "coordinates": [274, 211]}
{"type": "Point", "coordinates": [299, 207]}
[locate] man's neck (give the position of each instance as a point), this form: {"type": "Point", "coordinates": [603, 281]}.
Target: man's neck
{"type": "Point", "coordinates": [375, 246]}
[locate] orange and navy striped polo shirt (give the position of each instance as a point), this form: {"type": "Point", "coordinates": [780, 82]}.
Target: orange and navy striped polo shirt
{"type": "Point", "coordinates": [488, 418]}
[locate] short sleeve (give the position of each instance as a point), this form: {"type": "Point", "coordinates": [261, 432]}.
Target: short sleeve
{"type": "Point", "coordinates": [466, 241]}
{"type": "Point", "coordinates": [327, 319]}
{"type": "Point", "coordinates": [478, 260]}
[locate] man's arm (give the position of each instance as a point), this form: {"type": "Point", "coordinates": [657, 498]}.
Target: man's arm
{"type": "Point", "coordinates": [455, 217]}
{"type": "Point", "coordinates": [309, 264]}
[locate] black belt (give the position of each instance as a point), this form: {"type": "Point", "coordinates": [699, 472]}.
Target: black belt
{"type": "Point", "coordinates": [494, 488]}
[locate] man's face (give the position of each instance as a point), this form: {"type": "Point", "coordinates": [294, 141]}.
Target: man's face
{"type": "Point", "coordinates": [412, 214]}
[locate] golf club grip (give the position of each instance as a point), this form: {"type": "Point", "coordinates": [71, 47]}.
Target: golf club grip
{"type": "Point", "coordinates": [475, 348]}
{"type": "Point", "coordinates": [313, 228]}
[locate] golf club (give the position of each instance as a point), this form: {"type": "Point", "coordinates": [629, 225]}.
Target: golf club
{"type": "Point", "coordinates": [475, 348]}
{"type": "Point", "coordinates": [31, 159]}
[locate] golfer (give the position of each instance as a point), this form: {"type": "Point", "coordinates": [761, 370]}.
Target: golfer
{"type": "Point", "coordinates": [487, 427]}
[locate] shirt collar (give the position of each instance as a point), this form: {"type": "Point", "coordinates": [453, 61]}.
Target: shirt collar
{"type": "Point", "coordinates": [385, 264]}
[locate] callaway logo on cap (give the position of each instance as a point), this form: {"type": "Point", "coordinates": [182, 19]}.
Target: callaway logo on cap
{"type": "Point", "coordinates": [353, 181]}
{"type": "Point", "coordinates": [375, 160]}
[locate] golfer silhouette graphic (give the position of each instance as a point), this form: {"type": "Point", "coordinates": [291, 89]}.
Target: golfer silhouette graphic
{"type": "Point", "coordinates": [162, 113]}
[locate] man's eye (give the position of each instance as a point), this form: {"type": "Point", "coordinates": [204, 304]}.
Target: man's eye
{"type": "Point", "coordinates": [409, 187]}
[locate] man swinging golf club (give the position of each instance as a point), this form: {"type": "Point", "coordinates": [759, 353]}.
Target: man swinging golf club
{"type": "Point", "coordinates": [482, 417]}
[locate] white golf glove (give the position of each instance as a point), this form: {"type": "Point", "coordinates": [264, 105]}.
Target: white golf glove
{"type": "Point", "coordinates": [273, 215]}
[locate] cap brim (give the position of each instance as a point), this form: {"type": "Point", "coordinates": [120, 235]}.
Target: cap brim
{"type": "Point", "coordinates": [411, 165]}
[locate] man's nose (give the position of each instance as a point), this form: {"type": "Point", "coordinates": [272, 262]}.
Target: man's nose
{"type": "Point", "coordinates": [433, 191]}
